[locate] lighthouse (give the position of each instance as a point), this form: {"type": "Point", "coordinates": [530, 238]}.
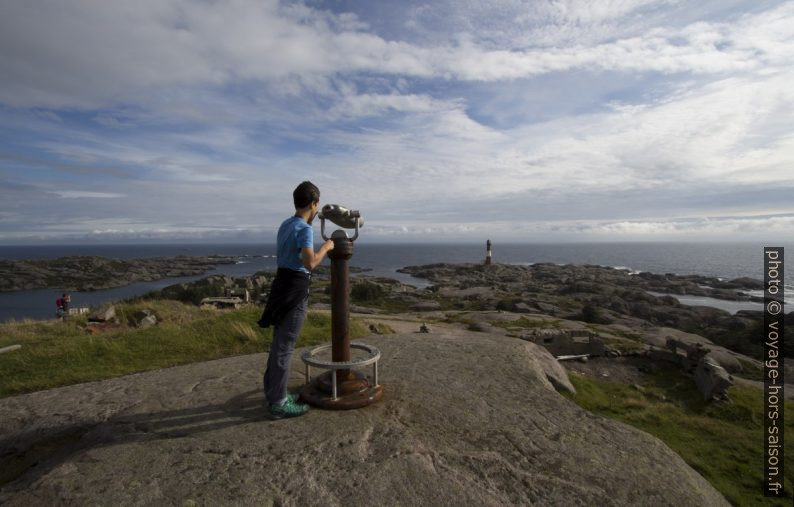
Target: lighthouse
{"type": "Point", "coordinates": [488, 253]}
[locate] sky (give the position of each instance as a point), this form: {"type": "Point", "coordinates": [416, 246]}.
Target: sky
{"type": "Point", "coordinates": [538, 121]}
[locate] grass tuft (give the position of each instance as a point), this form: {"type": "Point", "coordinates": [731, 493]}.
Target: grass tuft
{"type": "Point", "coordinates": [751, 371]}
{"type": "Point", "coordinates": [623, 346]}
{"type": "Point", "coordinates": [529, 323]}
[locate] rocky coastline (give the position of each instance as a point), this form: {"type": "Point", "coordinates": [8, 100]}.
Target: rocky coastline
{"type": "Point", "coordinates": [689, 285]}
{"type": "Point", "coordinates": [603, 296]}
{"type": "Point", "coordinates": [591, 294]}
{"type": "Point", "coordinates": [88, 273]}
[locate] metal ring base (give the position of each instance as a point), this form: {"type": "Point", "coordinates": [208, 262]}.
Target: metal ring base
{"type": "Point", "coordinates": [354, 392]}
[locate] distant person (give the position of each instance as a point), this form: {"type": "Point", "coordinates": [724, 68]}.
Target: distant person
{"type": "Point", "coordinates": [289, 294]}
{"type": "Point", "coordinates": [62, 306]}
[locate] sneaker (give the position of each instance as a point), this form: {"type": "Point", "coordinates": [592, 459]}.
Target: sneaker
{"type": "Point", "coordinates": [288, 409]}
{"type": "Point", "coordinates": [290, 397]}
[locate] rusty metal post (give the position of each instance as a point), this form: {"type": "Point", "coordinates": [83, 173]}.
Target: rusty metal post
{"type": "Point", "coordinates": [340, 301]}
{"type": "Point", "coordinates": [343, 388]}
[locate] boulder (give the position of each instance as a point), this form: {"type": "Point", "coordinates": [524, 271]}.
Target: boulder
{"type": "Point", "coordinates": [466, 419]}
{"type": "Point", "coordinates": [726, 360]}
{"type": "Point", "coordinates": [361, 309]}
{"type": "Point", "coordinates": [480, 327]}
{"type": "Point", "coordinates": [555, 374]}
{"type": "Point", "coordinates": [619, 306]}
{"type": "Point", "coordinates": [426, 306]}
{"type": "Point", "coordinates": [712, 380]}
{"type": "Point", "coordinates": [669, 301]}
{"type": "Point", "coordinates": [148, 321]}
{"type": "Point", "coordinates": [708, 315]}
{"type": "Point", "coordinates": [740, 283]}
{"type": "Point", "coordinates": [103, 314]}
{"type": "Point", "coordinates": [522, 307]}
{"type": "Point", "coordinates": [144, 319]}
{"type": "Point", "coordinates": [547, 308]}
{"type": "Point", "coordinates": [732, 323]}
{"type": "Point", "coordinates": [750, 314]}
{"type": "Point", "coordinates": [641, 309]}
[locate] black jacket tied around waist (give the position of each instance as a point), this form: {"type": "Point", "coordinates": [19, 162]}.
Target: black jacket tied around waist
{"type": "Point", "coordinates": [288, 289]}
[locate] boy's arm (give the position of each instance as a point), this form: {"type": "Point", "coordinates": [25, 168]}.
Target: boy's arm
{"type": "Point", "coordinates": [312, 259]}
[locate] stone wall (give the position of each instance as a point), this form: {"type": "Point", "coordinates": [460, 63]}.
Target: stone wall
{"type": "Point", "coordinates": [563, 342]}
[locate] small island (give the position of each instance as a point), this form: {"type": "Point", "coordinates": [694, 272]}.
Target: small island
{"type": "Point", "coordinates": [88, 273]}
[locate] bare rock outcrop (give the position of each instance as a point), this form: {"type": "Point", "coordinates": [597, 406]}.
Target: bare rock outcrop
{"type": "Point", "coordinates": [466, 419]}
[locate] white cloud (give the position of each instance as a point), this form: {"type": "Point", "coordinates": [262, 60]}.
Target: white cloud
{"type": "Point", "coordinates": [366, 104]}
{"type": "Point", "coordinates": [729, 132]}
{"type": "Point", "coordinates": [85, 194]}
{"type": "Point", "coordinates": [694, 228]}
{"type": "Point", "coordinates": [117, 52]}
{"type": "Point", "coordinates": [690, 228]}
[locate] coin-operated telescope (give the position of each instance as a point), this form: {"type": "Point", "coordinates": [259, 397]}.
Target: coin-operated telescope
{"type": "Point", "coordinates": [341, 387]}
{"type": "Point", "coordinates": [342, 217]}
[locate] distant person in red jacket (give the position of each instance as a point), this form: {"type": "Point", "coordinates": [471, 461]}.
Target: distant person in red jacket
{"type": "Point", "coordinates": [62, 306]}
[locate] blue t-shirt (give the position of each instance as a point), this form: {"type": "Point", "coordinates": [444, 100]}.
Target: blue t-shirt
{"type": "Point", "coordinates": [293, 235]}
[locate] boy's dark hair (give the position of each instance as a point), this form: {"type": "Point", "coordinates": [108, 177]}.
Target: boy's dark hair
{"type": "Point", "coordinates": [305, 194]}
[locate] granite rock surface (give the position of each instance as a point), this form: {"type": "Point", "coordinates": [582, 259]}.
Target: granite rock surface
{"type": "Point", "coordinates": [466, 419]}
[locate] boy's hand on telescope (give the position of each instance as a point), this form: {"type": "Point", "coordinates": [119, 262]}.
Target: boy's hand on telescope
{"type": "Point", "coordinates": [328, 245]}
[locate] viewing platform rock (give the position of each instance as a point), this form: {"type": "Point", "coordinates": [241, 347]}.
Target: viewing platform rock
{"type": "Point", "coordinates": [466, 419]}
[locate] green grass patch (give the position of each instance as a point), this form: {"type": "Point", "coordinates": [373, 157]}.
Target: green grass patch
{"type": "Point", "coordinates": [722, 441]}
{"type": "Point", "coordinates": [623, 345]}
{"type": "Point", "coordinates": [381, 294]}
{"type": "Point", "coordinates": [507, 304]}
{"type": "Point", "coordinates": [57, 353]}
{"type": "Point", "coordinates": [566, 303]}
{"type": "Point", "coordinates": [616, 332]}
{"type": "Point", "coordinates": [389, 304]}
{"type": "Point", "coordinates": [751, 371]}
{"type": "Point", "coordinates": [457, 318]}
{"type": "Point", "coordinates": [380, 328]}
{"type": "Point", "coordinates": [529, 323]}
{"type": "Point", "coordinates": [463, 305]}
{"type": "Point", "coordinates": [522, 322]}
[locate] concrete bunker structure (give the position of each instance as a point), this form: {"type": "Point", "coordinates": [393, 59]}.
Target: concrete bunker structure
{"type": "Point", "coordinates": [564, 342]}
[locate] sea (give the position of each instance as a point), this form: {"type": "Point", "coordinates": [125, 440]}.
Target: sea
{"type": "Point", "coordinates": [723, 260]}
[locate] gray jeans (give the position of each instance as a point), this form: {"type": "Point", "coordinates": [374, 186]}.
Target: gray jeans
{"type": "Point", "coordinates": [285, 334]}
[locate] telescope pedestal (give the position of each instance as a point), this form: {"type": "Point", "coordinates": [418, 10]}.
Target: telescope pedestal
{"type": "Point", "coordinates": [353, 389]}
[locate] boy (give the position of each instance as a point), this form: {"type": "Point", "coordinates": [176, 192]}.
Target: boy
{"type": "Point", "coordinates": [286, 306]}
